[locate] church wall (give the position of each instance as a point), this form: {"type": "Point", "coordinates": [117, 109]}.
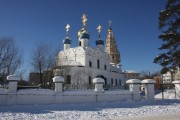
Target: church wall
{"type": "Point", "coordinates": [80, 75]}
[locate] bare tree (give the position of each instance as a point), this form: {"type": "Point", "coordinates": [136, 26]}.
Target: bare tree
{"type": "Point", "coordinates": [148, 74]}
{"type": "Point", "coordinates": [42, 59]}
{"type": "Point", "coordinates": [10, 57]}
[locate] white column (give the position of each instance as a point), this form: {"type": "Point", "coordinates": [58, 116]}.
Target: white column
{"type": "Point", "coordinates": [177, 88]}
{"type": "Point", "coordinates": [134, 86]}
{"type": "Point", "coordinates": [58, 80]}
{"type": "Point", "coordinates": [149, 88]}
{"type": "Point", "coordinates": [12, 85]}
{"type": "Point", "coordinates": [99, 82]}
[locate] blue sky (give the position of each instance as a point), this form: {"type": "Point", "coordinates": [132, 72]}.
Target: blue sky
{"type": "Point", "coordinates": [134, 23]}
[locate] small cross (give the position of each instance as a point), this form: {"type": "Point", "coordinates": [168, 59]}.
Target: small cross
{"type": "Point", "coordinates": [84, 19]}
{"type": "Point", "coordinates": [99, 28]}
{"type": "Point", "coordinates": [67, 27]}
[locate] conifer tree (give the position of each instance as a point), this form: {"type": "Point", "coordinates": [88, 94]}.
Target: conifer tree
{"type": "Point", "coordinates": [169, 23]}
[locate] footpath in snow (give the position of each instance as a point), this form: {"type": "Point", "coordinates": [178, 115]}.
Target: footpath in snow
{"type": "Point", "coordinates": [92, 111]}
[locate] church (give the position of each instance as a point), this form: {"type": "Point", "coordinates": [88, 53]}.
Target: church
{"type": "Point", "coordinates": [81, 64]}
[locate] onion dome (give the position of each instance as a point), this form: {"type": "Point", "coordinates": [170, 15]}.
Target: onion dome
{"type": "Point", "coordinates": [80, 32]}
{"type": "Point", "coordinates": [84, 35]}
{"type": "Point", "coordinates": [67, 40]}
{"type": "Point", "coordinates": [100, 42]}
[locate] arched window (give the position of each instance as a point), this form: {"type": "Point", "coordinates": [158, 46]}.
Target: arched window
{"type": "Point", "coordinates": [111, 81]}
{"type": "Point", "coordinates": [68, 79]}
{"type": "Point", "coordinates": [90, 64]}
{"type": "Point", "coordinates": [105, 67]}
{"type": "Point", "coordinates": [98, 63]}
{"type": "Point", "coordinates": [90, 81]}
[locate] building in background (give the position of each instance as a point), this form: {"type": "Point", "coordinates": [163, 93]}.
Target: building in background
{"type": "Point", "coordinates": [130, 74]}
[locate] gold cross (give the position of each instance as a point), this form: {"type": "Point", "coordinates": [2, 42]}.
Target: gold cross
{"type": "Point", "coordinates": [84, 20]}
{"type": "Point", "coordinates": [99, 28]}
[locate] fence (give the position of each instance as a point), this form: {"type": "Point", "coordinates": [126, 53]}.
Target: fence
{"type": "Point", "coordinates": [78, 86]}
{"type": "Point", "coordinates": [4, 86]}
{"type": "Point", "coordinates": [62, 95]}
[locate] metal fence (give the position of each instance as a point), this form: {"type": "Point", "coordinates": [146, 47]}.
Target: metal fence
{"type": "Point", "coordinates": [78, 86]}
{"type": "Point", "coordinates": [4, 86]}
{"type": "Point", "coordinates": [116, 87]}
{"type": "Point", "coordinates": [91, 86]}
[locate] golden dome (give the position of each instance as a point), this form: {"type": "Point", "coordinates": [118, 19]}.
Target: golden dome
{"type": "Point", "coordinates": [79, 32]}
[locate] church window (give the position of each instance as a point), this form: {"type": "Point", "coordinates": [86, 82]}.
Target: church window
{"type": "Point", "coordinates": [90, 80]}
{"type": "Point", "coordinates": [68, 79]}
{"type": "Point", "coordinates": [79, 43]}
{"type": "Point", "coordinates": [111, 81]}
{"type": "Point", "coordinates": [105, 67]}
{"type": "Point", "coordinates": [119, 81]}
{"type": "Point", "coordinates": [90, 64]}
{"type": "Point", "coordinates": [98, 63]}
{"type": "Point", "coordinates": [116, 82]}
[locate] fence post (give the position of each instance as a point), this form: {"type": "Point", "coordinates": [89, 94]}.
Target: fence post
{"type": "Point", "coordinates": [98, 84]}
{"type": "Point", "coordinates": [149, 88]}
{"type": "Point", "coordinates": [58, 80]}
{"type": "Point", "coordinates": [12, 85]}
{"type": "Point", "coordinates": [134, 86]}
{"type": "Point", "coordinates": [177, 87]}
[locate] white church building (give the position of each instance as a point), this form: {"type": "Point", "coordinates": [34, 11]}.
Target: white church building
{"type": "Point", "coordinates": [81, 64]}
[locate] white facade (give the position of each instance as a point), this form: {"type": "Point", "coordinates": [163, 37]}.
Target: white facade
{"type": "Point", "coordinates": [84, 64]}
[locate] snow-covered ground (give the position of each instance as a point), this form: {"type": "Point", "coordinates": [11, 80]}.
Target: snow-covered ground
{"type": "Point", "coordinates": [168, 94]}
{"type": "Point", "coordinates": [93, 111]}
{"type": "Point", "coordinates": [127, 110]}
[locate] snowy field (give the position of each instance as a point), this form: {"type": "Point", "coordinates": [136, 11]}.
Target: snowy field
{"type": "Point", "coordinates": [91, 111]}
{"type": "Point", "coordinates": [168, 109]}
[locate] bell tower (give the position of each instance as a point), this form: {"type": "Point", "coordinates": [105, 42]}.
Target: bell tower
{"type": "Point", "coordinates": [111, 47]}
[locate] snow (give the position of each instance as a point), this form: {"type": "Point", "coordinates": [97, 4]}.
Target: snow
{"type": "Point", "coordinates": [130, 71]}
{"type": "Point", "coordinates": [90, 111]}
{"type": "Point", "coordinates": [176, 82]}
{"type": "Point", "coordinates": [13, 77]}
{"type": "Point", "coordinates": [133, 81]}
{"type": "Point", "coordinates": [98, 80]}
{"type": "Point", "coordinates": [168, 94]}
{"type": "Point", "coordinates": [94, 111]}
{"type": "Point", "coordinates": [58, 79]}
{"type": "Point", "coordinates": [149, 81]}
